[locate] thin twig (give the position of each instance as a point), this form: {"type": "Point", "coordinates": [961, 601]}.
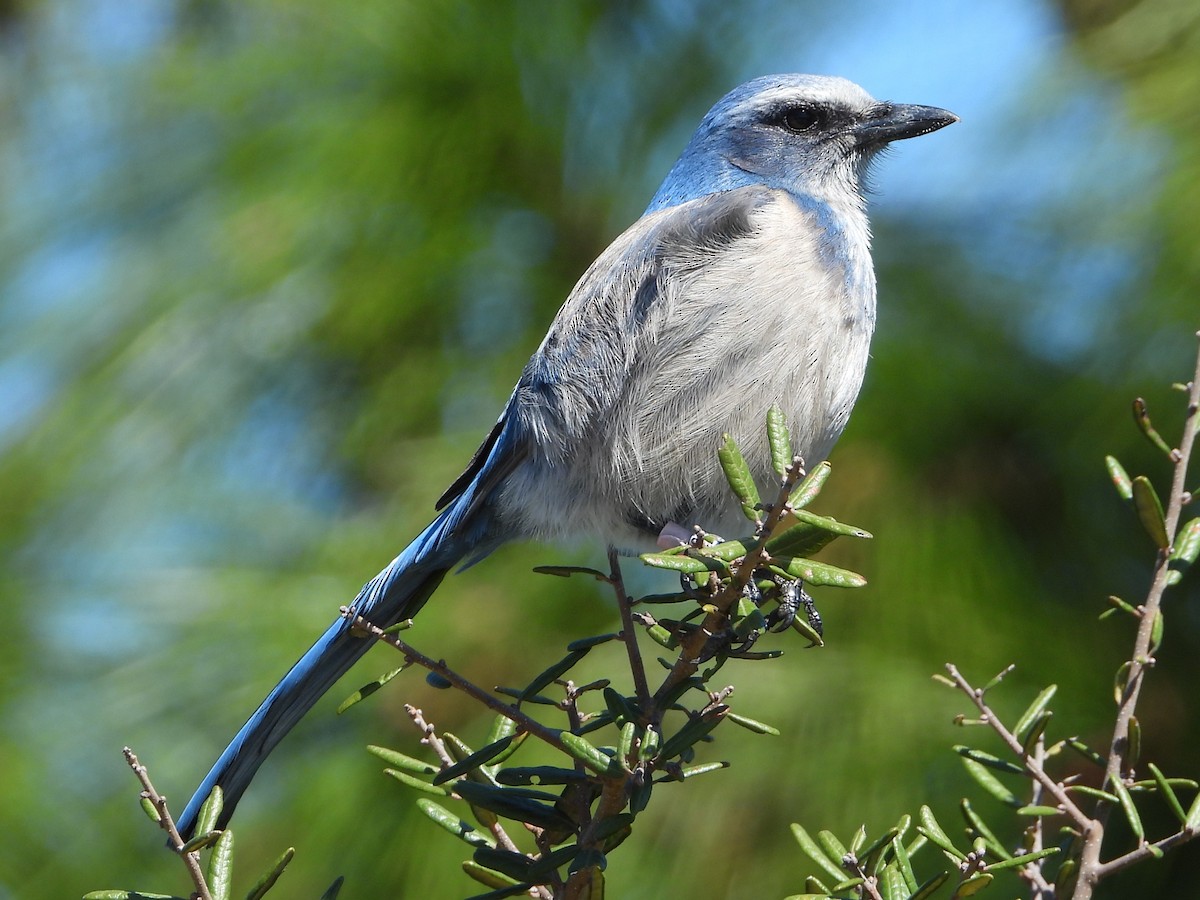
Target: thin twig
{"type": "Point", "coordinates": [628, 633]}
{"type": "Point", "coordinates": [1052, 787]}
{"type": "Point", "coordinates": [439, 667]}
{"type": "Point", "coordinates": [1091, 870]}
{"type": "Point", "coordinates": [191, 860]}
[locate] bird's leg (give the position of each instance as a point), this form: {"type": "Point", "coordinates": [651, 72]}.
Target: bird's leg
{"type": "Point", "coordinates": [793, 596]}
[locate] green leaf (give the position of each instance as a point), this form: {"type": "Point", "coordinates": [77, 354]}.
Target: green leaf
{"type": "Point", "coordinates": [150, 810]}
{"type": "Point", "coordinates": [834, 848]}
{"type": "Point", "coordinates": [516, 803]}
{"type": "Point", "coordinates": [930, 887]}
{"type": "Point", "coordinates": [398, 760]}
{"type": "Point", "coordinates": [695, 729]}
{"type": "Point", "coordinates": [751, 724]}
{"type": "Point", "coordinates": [267, 881]}
{"type": "Point", "coordinates": [1120, 478]}
{"type": "Point", "coordinates": [417, 784]}
{"type": "Point", "coordinates": [590, 756]}
{"type": "Point", "coordinates": [514, 865]}
{"type": "Point", "coordinates": [976, 823]}
{"type": "Point", "coordinates": [200, 841]}
{"type": "Point", "coordinates": [808, 488]}
{"type": "Point", "coordinates": [1035, 810]}
{"type": "Point", "coordinates": [540, 775]}
{"type": "Point", "coordinates": [904, 865]}
{"type": "Point", "coordinates": [461, 829]}
{"type": "Point", "coordinates": [491, 878]}
{"type": "Point", "coordinates": [1141, 415]}
{"type": "Point", "coordinates": [737, 473]}
{"type": "Point", "coordinates": [1094, 792]}
{"type": "Point", "coordinates": [1022, 859]}
{"type": "Point", "coordinates": [589, 642]}
{"type": "Point", "coordinates": [1087, 752]}
{"type": "Point", "coordinates": [1168, 793]}
{"type": "Point", "coordinates": [128, 895]}
{"type": "Point", "coordinates": [685, 565]}
{"type": "Point", "coordinates": [1150, 512]}
{"type": "Point", "coordinates": [334, 889]}
{"type": "Point", "coordinates": [989, 760]}
{"type": "Point", "coordinates": [1033, 712]}
{"type": "Point", "coordinates": [553, 673]}
{"type": "Point", "coordinates": [473, 761]}
{"type": "Point", "coordinates": [972, 885]}
{"type": "Point", "coordinates": [779, 439]}
{"type": "Point", "coordinates": [368, 689]}
{"type": "Point", "coordinates": [990, 782]}
{"type": "Point", "coordinates": [220, 867]}
{"type": "Point", "coordinates": [1130, 810]}
{"type": "Point", "coordinates": [832, 867]}
{"type": "Point", "coordinates": [933, 830]}
{"type": "Point", "coordinates": [891, 883]}
{"type": "Point", "coordinates": [210, 811]}
{"type": "Point", "coordinates": [1187, 545]}
{"type": "Point", "coordinates": [817, 573]}
{"type": "Point", "coordinates": [693, 771]}
{"type": "Point", "coordinates": [568, 571]}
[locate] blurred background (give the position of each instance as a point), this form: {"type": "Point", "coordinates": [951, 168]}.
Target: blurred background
{"type": "Point", "coordinates": [269, 269]}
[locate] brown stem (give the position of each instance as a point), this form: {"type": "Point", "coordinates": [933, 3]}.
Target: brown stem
{"type": "Point", "coordinates": [628, 634]}
{"type": "Point", "coordinates": [1091, 869]}
{"type": "Point", "coordinates": [190, 860]}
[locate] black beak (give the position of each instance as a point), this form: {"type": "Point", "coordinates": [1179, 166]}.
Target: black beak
{"type": "Point", "coordinates": [887, 122]}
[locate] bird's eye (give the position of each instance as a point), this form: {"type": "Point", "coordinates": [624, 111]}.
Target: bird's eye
{"type": "Point", "coordinates": [798, 119]}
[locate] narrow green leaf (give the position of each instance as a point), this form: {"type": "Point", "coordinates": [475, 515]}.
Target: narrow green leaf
{"type": "Point", "coordinates": [751, 724]}
{"type": "Point", "coordinates": [1133, 752]}
{"type": "Point", "coordinates": [808, 488]}
{"type": "Point", "coordinates": [200, 841]}
{"type": "Point", "coordinates": [1022, 859]}
{"type": "Point", "coordinates": [128, 895]}
{"type": "Point", "coordinates": [860, 838]}
{"type": "Point", "coordinates": [1096, 793]}
{"type": "Point", "coordinates": [1035, 709]}
{"type": "Point", "coordinates": [1087, 752]}
{"type": "Point", "coordinates": [817, 573]}
{"type": "Point", "coordinates": [461, 829]}
{"type": "Point", "coordinates": [568, 571]}
{"type": "Point", "coordinates": [1039, 811]}
{"type": "Point", "coordinates": [589, 642]}
{"type": "Point", "coordinates": [866, 857]}
{"type": "Point", "coordinates": [693, 771]}
{"type": "Point", "coordinates": [686, 565]}
{"type": "Point", "coordinates": [1130, 810]}
{"type": "Point", "coordinates": [1141, 415]}
{"type": "Point", "coordinates": [267, 881]}
{"type": "Point", "coordinates": [1120, 478]}
{"type": "Point", "coordinates": [398, 760]}
{"type": "Point", "coordinates": [930, 887]}
{"type": "Point", "coordinates": [1192, 823]}
{"type": "Point", "coordinates": [693, 731]}
{"type": "Point", "coordinates": [1168, 793]}
{"type": "Point", "coordinates": [220, 867]}
{"type": "Point", "coordinates": [1187, 544]}
{"type": "Point", "coordinates": [553, 673]}
{"type": "Point", "coordinates": [990, 782]}
{"type": "Point", "coordinates": [990, 760]}
{"type": "Point", "coordinates": [737, 473]}
{"type": "Point", "coordinates": [516, 804]}
{"type": "Point", "coordinates": [976, 823]}
{"type": "Point", "coordinates": [517, 890]}
{"type": "Point", "coordinates": [590, 756]}
{"type": "Point", "coordinates": [891, 883]}
{"type": "Point", "coordinates": [779, 439]}
{"type": "Point", "coordinates": [1150, 511]}
{"type": "Point", "coordinates": [490, 877]}
{"type": "Point", "coordinates": [904, 865]}
{"type": "Point", "coordinates": [834, 848]}
{"type": "Point", "coordinates": [368, 689]}
{"type": "Point", "coordinates": [334, 889]}
{"type": "Point", "coordinates": [210, 811]}
{"type": "Point", "coordinates": [514, 865]}
{"type": "Point", "coordinates": [473, 761]}
{"type": "Point", "coordinates": [972, 885]}
{"type": "Point", "coordinates": [417, 784]}
{"type": "Point", "coordinates": [151, 810]}
{"type": "Point", "coordinates": [832, 867]}
{"type": "Point", "coordinates": [931, 828]}
{"type": "Point", "coordinates": [540, 775]}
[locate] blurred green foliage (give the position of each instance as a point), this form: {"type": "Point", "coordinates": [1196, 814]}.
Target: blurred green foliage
{"type": "Point", "coordinates": [269, 271]}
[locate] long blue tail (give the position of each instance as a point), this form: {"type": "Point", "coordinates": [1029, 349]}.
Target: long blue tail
{"type": "Point", "coordinates": [393, 595]}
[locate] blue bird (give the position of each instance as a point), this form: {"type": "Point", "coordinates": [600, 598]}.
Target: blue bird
{"type": "Point", "coordinates": [746, 283]}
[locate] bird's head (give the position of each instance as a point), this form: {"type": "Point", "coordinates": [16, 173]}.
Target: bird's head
{"type": "Point", "coordinates": [811, 135]}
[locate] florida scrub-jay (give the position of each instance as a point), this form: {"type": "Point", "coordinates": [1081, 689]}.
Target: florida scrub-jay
{"type": "Point", "coordinates": [746, 283]}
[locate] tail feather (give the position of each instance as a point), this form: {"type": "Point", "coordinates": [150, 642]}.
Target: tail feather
{"type": "Point", "coordinates": [395, 594]}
